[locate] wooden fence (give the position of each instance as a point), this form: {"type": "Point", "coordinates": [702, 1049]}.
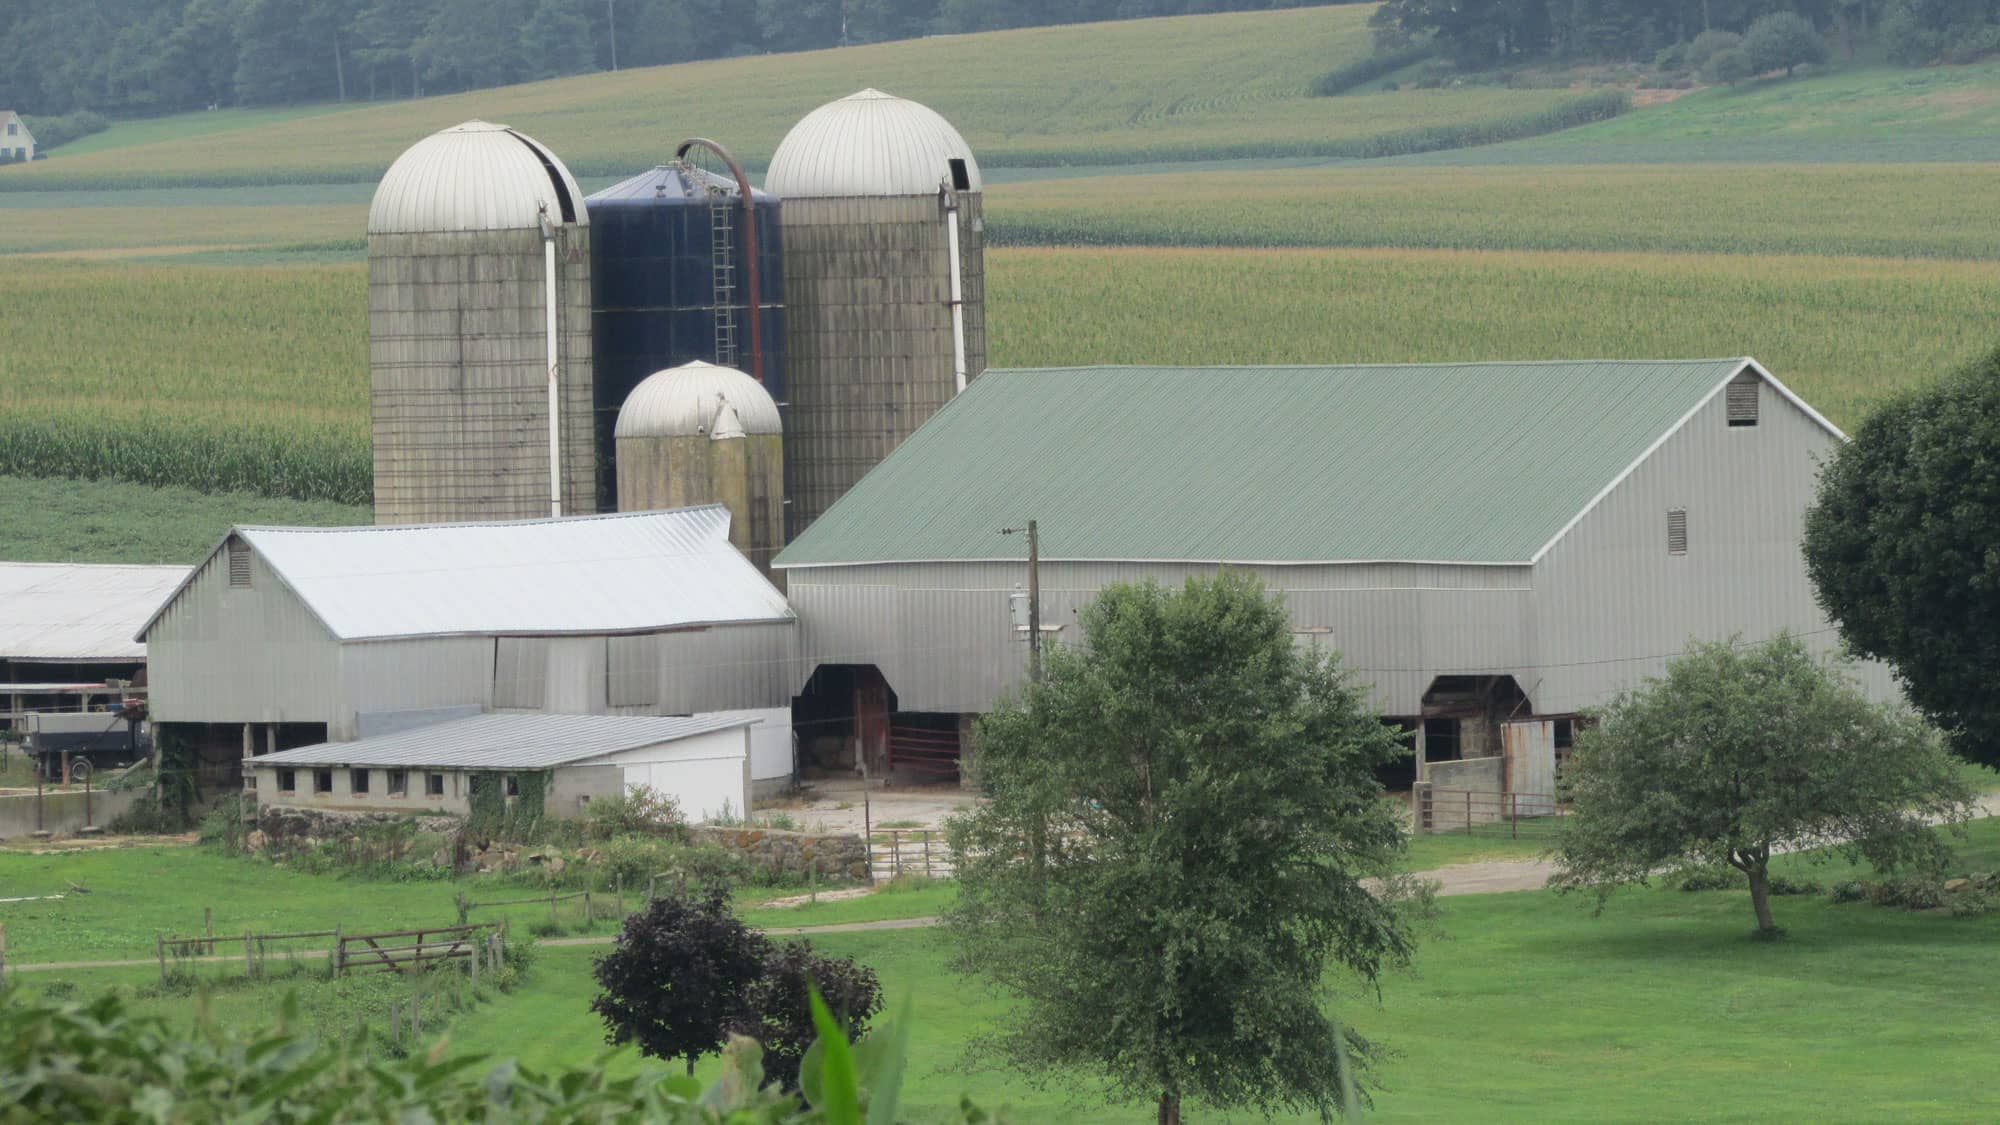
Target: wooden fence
{"type": "Point", "coordinates": [466, 906]}
{"type": "Point", "coordinates": [428, 946]}
{"type": "Point", "coordinates": [909, 851]}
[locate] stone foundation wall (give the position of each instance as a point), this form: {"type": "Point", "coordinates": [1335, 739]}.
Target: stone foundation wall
{"type": "Point", "coordinates": [792, 853]}
{"type": "Point", "coordinates": [285, 824]}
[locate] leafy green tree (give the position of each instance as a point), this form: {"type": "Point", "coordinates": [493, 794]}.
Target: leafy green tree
{"type": "Point", "coordinates": [1902, 550]}
{"type": "Point", "coordinates": [1181, 817]}
{"type": "Point", "coordinates": [1738, 753]}
{"type": "Point", "coordinates": [556, 41]}
{"type": "Point", "coordinates": [1728, 66]}
{"type": "Point", "coordinates": [1783, 41]}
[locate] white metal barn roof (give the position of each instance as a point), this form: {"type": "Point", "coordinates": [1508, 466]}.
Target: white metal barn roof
{"type": "Point", "coordinates": [505, 741]}
{"type": "Point", "coordinates": [72, 611]}
{"type": "Point", "coordinates": [637, 572]}
{"type": "Point", "coordinates": [870, 143]}
{"type": "Point", "coordinates": [686, 400]}
{"type": "Point", "coordinates": [472, 177]}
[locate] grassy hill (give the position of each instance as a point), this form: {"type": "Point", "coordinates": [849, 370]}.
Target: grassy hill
{"type": "Point", "coordinates": [1192, 87]}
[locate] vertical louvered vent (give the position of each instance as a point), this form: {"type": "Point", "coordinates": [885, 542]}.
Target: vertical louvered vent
{"type": "Point", "coordinates": [1743, 401]}
{"type": "Point", "coordinates": [239, 565]}
{"type": "Point", "coordinates": [1677, 531]}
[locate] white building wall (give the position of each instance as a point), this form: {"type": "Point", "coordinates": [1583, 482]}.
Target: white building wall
{"type": "Point", "coordinates": [222, 654]}
{"type": "Point", "coordinates": [1613, 605]}
{"type": "Point", "coordinates": [707, 774]}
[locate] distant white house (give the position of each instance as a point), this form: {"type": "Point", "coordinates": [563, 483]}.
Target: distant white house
{"type": "Point", "coordinates": [16, 143]}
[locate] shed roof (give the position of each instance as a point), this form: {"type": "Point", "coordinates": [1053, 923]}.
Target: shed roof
{"type": "Point", "coordinates": [637, 572]}
{"type": "Point", "coordinates": [75, 611]}
{"type": "Point", "coordinates": [1451, 463]}
{"type": "Point", "coordinates": [504, 741]}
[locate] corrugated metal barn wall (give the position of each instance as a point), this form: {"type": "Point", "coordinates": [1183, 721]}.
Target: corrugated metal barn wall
{"type": "Point", "coordinates": [1613, 603]}
{"type": "Point", "coordinates": [943, 633]}
{"type": "Point", "coordinates": [868, 336]}
{"type": "Point", "coordinates": [412, 674]}
{"type": "Point", "coordinates": [457, 354]}
{"type": "Point", "coordinates": [241, 655]}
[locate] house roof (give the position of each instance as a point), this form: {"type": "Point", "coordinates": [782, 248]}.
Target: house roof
{"type": "Point", "coordinates": [504, 740]}
{"type": "Point", "coordinates": [639, 572]}
{"type": "Point", "coordinates": [1450, 463]}
{"type": "Point", "coordinates": [74, 611]}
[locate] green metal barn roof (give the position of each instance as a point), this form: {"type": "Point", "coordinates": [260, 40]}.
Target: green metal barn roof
{"type": "Point", "coordinates": [1457, 463]}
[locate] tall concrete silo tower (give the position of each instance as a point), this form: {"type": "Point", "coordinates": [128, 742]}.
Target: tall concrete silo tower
{"type": "Point", "coordinates": [702, 434]}
{"type": "Point", "coordinates": [479, 332]}
{"type": "Point", "coordinates": [884, 285]}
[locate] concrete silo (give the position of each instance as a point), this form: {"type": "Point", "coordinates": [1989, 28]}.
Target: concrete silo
{"type": "Point", "coordinates": [884, 285]}
{"type": "Point", "coordinates": [674, 258]}
{"type": "Point", "coordinates": [702, 434]}
{"type": "Point", "coordinates": [479, 332]}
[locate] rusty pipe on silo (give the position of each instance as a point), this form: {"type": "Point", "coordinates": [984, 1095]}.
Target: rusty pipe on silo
{"type": "Point", "coordinates": [749, 241]}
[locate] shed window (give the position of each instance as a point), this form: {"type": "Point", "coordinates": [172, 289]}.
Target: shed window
{"type": "Point", "coordinates": [1677, 531]}
{"type": "Point", "coordinates": [357, 781]}
{"type": "Point", "coordinates": [434, 784]}
{"type": "Point", "coordinates": [399, 782]}
{"type": "Point", "coordinates": [322, 781]}
{"type": "Point", "coordinates": [513, 785]}
{"type": "Point", "coordinates": [1743, 401]}
{"type": "Point", "coordinates": [288, 781]}
{"type": "Point", "coordinates": [239, 565]}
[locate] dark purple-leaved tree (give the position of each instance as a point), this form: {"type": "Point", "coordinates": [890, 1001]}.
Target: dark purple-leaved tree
{"type": "Point", "coordinates": [778, 1009]}
{"type": "Point", "coordinates": [679, 976]}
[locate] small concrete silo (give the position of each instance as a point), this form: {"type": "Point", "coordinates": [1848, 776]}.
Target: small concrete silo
{"type": "Point", "coordinates": [884, 285]}
{"type": "Point", "coordinates": [702, 434]}
{"type": "Point", "coordinates": [479, 332]}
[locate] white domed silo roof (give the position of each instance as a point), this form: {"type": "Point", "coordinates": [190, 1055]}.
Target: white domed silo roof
{"type": "Point", "coordinates": [688, 399]}
{"type": "Point", "coordinates": [870, 143]}
{"type": "Point", "coordinates": [475, 176]}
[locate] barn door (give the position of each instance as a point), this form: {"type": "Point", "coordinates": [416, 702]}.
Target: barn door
{"type": "Point", "coordinates": [1529, 747]}
{"type": "Point", "coordinates": [871, 720]}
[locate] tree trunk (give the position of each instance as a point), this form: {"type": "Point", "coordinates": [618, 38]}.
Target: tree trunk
{"type": "Point", "coordinates": [1170, 1109]}
{"type": "Point", "coordinates": [1760, 896]}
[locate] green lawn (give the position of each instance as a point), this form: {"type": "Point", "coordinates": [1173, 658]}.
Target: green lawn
{"type": "Point", "coordinates": [112, 521]}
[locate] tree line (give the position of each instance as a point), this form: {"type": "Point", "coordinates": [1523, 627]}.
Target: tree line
{"type": "Point", "coordinates": [164, 56]}
{"type": "Point", "coordinates": [1481, 33]}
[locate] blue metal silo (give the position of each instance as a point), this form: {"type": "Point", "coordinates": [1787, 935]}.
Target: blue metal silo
{"type": "Point", "coordinates": [672, 272]}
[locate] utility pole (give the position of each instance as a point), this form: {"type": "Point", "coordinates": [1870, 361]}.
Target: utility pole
{"type": "Point", "coordinates": [1034, 599]}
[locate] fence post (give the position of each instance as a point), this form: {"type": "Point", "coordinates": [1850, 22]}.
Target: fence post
{"type": "Point", "coordinates": [416, 1019]}
{"type": "Point", "coordinates": [651, 882]}
{"type": "Point", "coordinates": [208, 929]}
{"type": "Point", "coordinates": [1468, 812]}
{"type": "Point", "coordinates": [927, 855]}
{"type": "Point", "coordinates": [334, 957]}
{"type": "Point", "coordinates": [396, 1021]}
{"type": "Point", "coordinates": [552, 906]}
{"type": "Point", "coordinates": [588, 917]}
{"type": "Point", "coordinates": [160, 947]}
{"type": "Point", "coordinates": [249, 958]}
{"type": "Point", "coordinates": [1514, 814]}
{"type": "Point", "coordinates": [464, 907]}
{"type": "Point", "coordinates": [618, 885]}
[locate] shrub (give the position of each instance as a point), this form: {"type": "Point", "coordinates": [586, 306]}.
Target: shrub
{"type": "Point", "coordinates": [60, 130]}
{"type": "Point", "coordinates": [679, 975]}
{"type": "Point", "coordinates": [640, 809]}
{"type": "Point", "coordinates": [1917, 892]}
{"type": "Point", "coordinates": [1671, 57]}
{"type": "Point", "coordinates": [1849, 890]}
{"type": "Point", "coordinates": [1783, 41]}
{"type": "Point", "coordinates": [778, 1007]}
{"type": "Point", "coordinates": [1707, 45]}
{"type": "Point", "coordinates": [1711, 879]}
{"type": "Point", "coordinates": [223, 825]}
{"type": "Point", "coordinates": [1727, 67]}
{"type": "Point", "coordinates": [1784, 885]}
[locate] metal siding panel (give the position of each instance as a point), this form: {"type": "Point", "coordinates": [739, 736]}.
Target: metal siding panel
{"type": "Point", "coordinates": [943, 636]}
{"type": "Point", "coordinates": [418, 674]}
{"type": "Point", "coordinates": [223, 655]}
{"type": "Point", "coordinates": [1613, 605]}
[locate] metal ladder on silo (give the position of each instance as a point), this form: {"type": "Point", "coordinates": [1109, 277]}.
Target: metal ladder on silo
{"type": "Point", "coordinates": [722, 257]}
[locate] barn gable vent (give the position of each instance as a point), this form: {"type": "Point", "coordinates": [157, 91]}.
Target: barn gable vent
{"type": "Point", "coordinates": [1743, 400]}
{"type": "Point", "coordinates": [239, 564]}
{"type": "Point", "coordinates": [1677, 531]}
